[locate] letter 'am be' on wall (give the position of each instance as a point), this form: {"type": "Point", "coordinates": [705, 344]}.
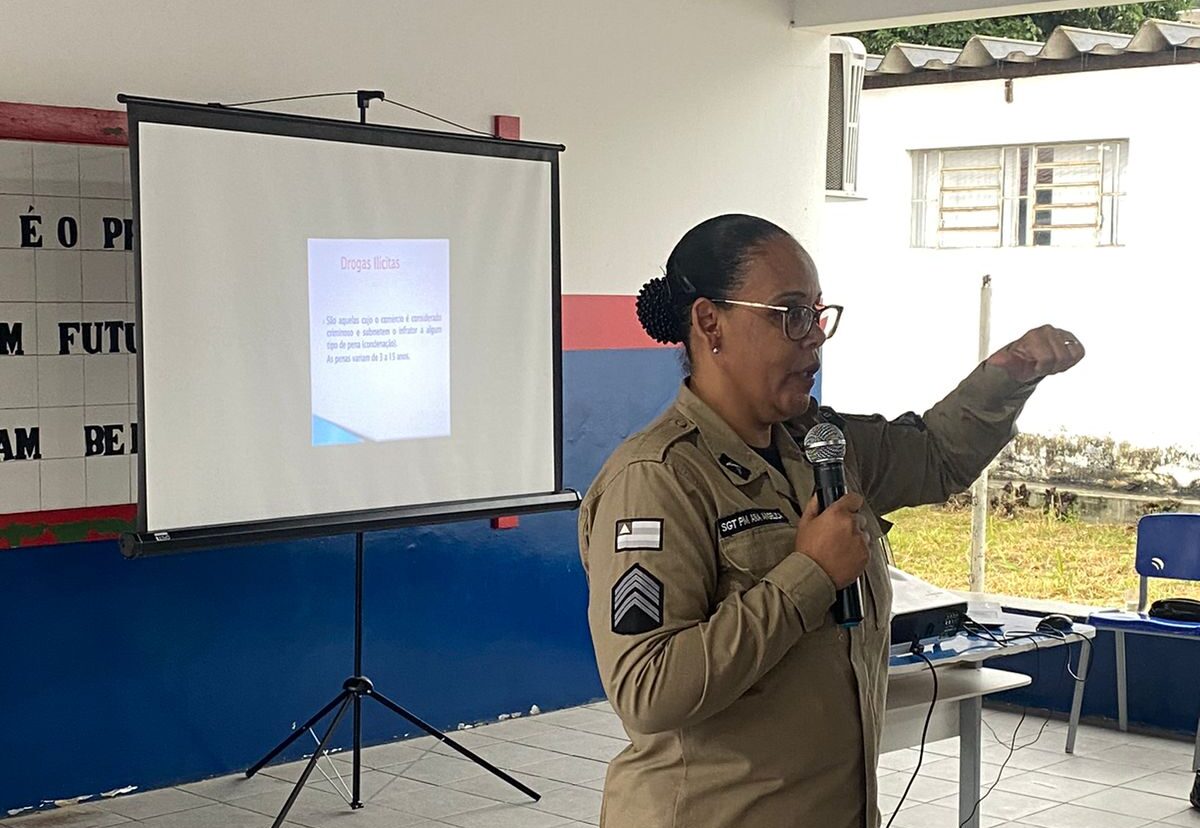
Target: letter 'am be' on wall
{"type": "Point", "coordinates": [68, 434]}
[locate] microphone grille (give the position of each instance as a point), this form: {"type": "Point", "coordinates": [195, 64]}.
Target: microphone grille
{"type": "Point", "coordinates": [824, 443]}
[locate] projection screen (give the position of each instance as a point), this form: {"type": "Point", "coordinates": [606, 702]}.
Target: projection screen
{"type": "Point", "coordinates": [341, 326]}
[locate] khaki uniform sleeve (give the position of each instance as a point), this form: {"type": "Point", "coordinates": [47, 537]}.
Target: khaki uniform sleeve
{"type": "Point", "coordinates": [912, 461]}
{"type": "Point", "coordinates": [673, 659]}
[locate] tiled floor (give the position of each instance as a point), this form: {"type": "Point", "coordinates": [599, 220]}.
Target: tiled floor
{"type": "Point", "coordinates": [1114, 780]}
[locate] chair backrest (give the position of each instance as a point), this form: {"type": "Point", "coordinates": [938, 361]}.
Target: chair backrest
{"type": "Point", "coordinates": [1168, 546]}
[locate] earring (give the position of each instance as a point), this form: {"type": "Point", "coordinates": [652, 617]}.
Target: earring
{"type": "Point", "coordinates": [716, 350]}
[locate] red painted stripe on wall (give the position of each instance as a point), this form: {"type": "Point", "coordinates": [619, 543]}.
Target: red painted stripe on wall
{"type": "Point", "coordinates": [64, 124]}
{"type": "Point", "coordinates": [65, 525]}
{"type": "Point", "coordinates": [594, 323]}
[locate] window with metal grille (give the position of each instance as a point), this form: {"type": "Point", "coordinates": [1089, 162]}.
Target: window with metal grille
{"type": "Point", "coordinates": [1036, 195]}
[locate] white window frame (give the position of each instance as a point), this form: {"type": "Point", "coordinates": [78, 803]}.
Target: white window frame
{"type": "Point", "coordinates": [1008, 196]}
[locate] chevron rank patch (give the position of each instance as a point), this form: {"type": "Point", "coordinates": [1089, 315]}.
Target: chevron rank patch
{"type": "Point", "coordinates": [637, 602]}
{"type": "Point", "coordinates": [639, 535]}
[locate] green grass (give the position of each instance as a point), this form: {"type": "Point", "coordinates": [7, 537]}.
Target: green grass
{"type": "Point", "coordinates": [1031, 555]}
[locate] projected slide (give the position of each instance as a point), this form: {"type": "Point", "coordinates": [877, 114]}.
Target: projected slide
{"type": "Point", "coordinates": [379, 321]}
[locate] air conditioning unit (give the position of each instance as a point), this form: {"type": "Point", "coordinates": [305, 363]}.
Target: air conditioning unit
{"type": "Point", "coordinates": [847, 68]}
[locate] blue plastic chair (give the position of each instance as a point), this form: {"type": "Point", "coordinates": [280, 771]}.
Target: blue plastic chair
{"type": "Point", "coordinates": [1168, 546]}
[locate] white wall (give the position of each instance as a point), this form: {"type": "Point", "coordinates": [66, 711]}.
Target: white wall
{"type": "Point", "coordinates": [862, 15]}
{"type": "Point", "coordinates": [671, 111]}
{"type": "Point", "coordinates": [911, 325]}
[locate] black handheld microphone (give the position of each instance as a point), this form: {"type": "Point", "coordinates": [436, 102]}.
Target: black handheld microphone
{"type": "Point", "coordinates": [825, 448]}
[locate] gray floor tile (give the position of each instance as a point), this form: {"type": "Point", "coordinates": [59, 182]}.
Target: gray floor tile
{"type": "Point", "coordinates": [1003, 806]}
{"type": "Point", "coordinates": [1148, 806]}
{"type": "Point", "coordinates": [903, 760]}
{"type": "Point", "coordinates": [470, 739]}
{"type": "Point", "coordinates": [506, 816]}
{"type": "Point", "coordinates": [594, 784]}
{"type": "Point", "coordinates": [924, 788]}
{"type": "Point", "coordinates": [573, 802]}
{"type": "Point", "coordinates": [947, 768]}
{"type": "Point", "coordinates": [1094, 770]}
{"type": "Point", "coordinates": [1059, 789]}
{"type": "Point", "coordinates": [440, 770]}
{"type": "Point", "coordinates": [215, 815]}
{"type": "Point", "coordinates": [1152, 758]}
{"type": "Point", "coordinates": [887, 804]}
{"type": "Point", "coordinates": [430, 801]}
{"type": "Point", "coordinates": [1076, 816]}
{"type": "Point", "coordinates": [563, 755]}
{"type": "Point", "coordinates": [605, 725]}
{"type": "Point", "coordinates": [142, 806]}
{"type": "Point", "coordinates": [925, 815]}
{"type": "Point", "coordinates": [514, 730]}
{"type": "Point", "coordinates": [571, 716]}
{"type": "Point", "coordinates": [84, 815]}
{"type": "Point", "coordinates": [235, 786]}
{"type": "Point", "coordinates": [495, 788]}
{"type": "Point", "coordinates": [570, 769]}
{"type": "Point", "coordinates": [577, 743]}
{"type": "Point", "coordinates": [1026, 759]}
{"type": "Point", "coordinates": [1175, 784]}
{"type": "Point", "coordinates": [390, 755]}
{"type": "Point", "coordinates": [945, 747]}
{"type": "Point", "coordinates": [290, 771]}
{"type": "Point", "coordinates": [509, 755]}
{"type": "Point", "coordinates": [1189, 818]}
{"type": "Point", "coordinates": [319, 809]}
{"type": "Point", "coordinates": [370, 784]}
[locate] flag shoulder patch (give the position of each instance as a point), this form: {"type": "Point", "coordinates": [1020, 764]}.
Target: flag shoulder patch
{"type": "Point", "coordinates": [637, 602]}
{"type": "Point", "coordinates": [731, 525]}
{"type": "Point", "coordinates": [639, 534]}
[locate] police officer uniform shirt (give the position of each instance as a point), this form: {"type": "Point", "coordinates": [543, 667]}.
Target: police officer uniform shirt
{"type": "Point", "coordinates": [745, 704]}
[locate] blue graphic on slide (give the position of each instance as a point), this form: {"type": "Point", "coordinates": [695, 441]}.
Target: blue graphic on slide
{"type": "Point", "coordinates": [326, 433]}
{"type": "Point", "coordinates": [379, 330]}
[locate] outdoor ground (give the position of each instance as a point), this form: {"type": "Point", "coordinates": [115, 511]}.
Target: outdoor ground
{"type": "Point", "coordinates": [1032, 555]}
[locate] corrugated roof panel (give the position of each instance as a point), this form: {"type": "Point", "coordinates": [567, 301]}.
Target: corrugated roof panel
{"type": "Point", "coordinates": [1160, 35]}
{"type": "Point", "coordinates": [1068, 42]}
{"type": "Point", "coordinates": [1064, 43]}
{"type": "Point", "coordinates": [985, 51]}
{"type": "Point", "coordinates": [905, 57]}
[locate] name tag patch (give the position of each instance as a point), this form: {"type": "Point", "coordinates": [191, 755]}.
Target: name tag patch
{"type": "Point", "coordinates": [749, 519]}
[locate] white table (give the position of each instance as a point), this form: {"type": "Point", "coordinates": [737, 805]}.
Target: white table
{"type": "Point", "coordinates": [963, 681]}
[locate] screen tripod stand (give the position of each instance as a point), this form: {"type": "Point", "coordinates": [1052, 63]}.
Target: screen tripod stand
{"type": "Point", "coordinates": [354, 689]}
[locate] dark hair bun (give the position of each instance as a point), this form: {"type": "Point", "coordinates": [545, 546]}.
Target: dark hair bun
{"type": "Point", "coordinates": [655, 313]}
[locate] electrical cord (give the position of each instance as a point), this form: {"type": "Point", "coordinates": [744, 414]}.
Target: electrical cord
{"type": "Point", "coordinates": [917, 651]}
{"type": "Point", "coordinates": [975, 629]}
{"type": "Point", "coordinates": [436, 117]}
{"type": "Point", "coordinates": [1012, 748]}
{"type": "Point", "coordinates": [1033, 639]}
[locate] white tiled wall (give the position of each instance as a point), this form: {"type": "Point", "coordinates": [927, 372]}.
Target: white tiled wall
{"type": "Point", "coordinates": [17, 283]}
{"type": "Point", "coordinates": [75, 187]}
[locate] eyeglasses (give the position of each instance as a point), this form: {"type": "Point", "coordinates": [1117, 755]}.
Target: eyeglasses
{"type": "Point", "coordinates": [798, 320]}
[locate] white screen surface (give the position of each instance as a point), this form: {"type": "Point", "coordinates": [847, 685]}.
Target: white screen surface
{"type": "Point", "coordinates": [258, 251]}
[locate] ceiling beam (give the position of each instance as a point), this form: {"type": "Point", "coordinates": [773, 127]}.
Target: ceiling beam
{"type": "Point", "coordinates": [834, 16]}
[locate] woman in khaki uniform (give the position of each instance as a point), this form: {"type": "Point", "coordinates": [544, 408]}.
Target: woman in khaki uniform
{"type": "Point", "coordinates": [711, 577]}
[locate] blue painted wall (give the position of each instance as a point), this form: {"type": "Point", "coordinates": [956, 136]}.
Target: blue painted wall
{"type": "Point", "coordinates": [155, 671]}
{"type": "Point", "coordinates": [1163, 676]}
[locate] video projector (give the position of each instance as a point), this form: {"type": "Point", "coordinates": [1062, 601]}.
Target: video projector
{"type": "Point", "coordinates": [922, 613]}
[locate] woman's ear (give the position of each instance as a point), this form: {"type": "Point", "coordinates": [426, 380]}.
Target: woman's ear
{"type": "Point", "coordinates": [706, 322]}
